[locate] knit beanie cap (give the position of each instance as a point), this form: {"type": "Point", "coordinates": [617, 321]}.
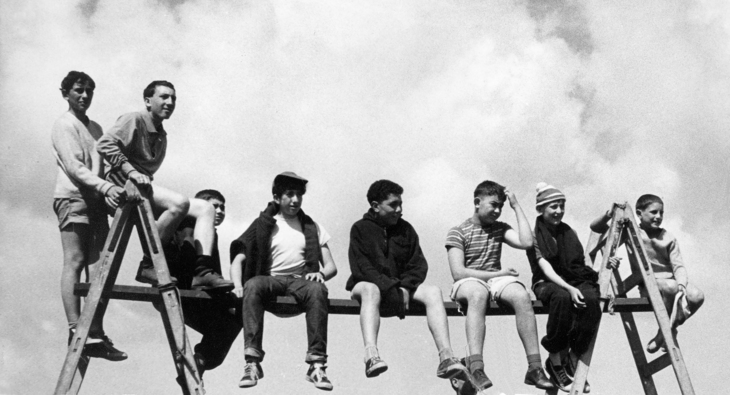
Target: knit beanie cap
{"type": "Point", "coordinates": [546, 194]}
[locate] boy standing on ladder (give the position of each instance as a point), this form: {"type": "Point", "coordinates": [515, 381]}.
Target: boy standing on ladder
{"type": "Point", "coordinates": [662, 250]}
{"type": "Point", "coordinates": [79, 203]}
{"type": "Point", "coordinates": [284, 253]}
{"type": "Point", "coordinates": [388, 271]}
{"type": "Point", "coordinates": [135, 148]}
{"type": "Point", "coordinates": [474, 251]}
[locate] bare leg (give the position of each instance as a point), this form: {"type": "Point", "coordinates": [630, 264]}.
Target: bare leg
{"type": "Point", "coordinates": [81, 243]}
{"type": "Point", "coordinates": [74, 242]}
{"type": "Point", "coordinates": [204, 233]}
{"type": "Point", "coordinates": [515, 295]}
{"type": "Point", "coordinates": [172, 208]}
{"type": "Point", "coordinates": [431, 296]}
{"type": "Point", "coordinates": [368, 295]}
{"type": "Point", "coordinates": [476, 297]}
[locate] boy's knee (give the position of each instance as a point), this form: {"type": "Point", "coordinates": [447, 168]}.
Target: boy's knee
{"type": "Point", "coordinates": [255, 285]}
{"type": "Point", "coordinates": [478, 298]}
{"type": "Point", "coordinates": [317, 290]}
{"type": "Point", "coordinates": [695, 296]}
{"type": "Point", "coordinates": [369, 292]}
{"type": "Point", "coordinates": [431, 294]}
{"type": "Point", "coordinates": [668, 287]}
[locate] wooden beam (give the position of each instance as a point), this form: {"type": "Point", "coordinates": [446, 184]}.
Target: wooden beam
{"type": "Point", "coordinates": [287, 305]}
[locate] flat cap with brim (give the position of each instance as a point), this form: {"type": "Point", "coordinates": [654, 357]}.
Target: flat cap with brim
{"type": "Point", "coordinates": [292, 175]}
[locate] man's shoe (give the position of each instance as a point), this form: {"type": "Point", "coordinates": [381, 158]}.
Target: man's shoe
{"type": "Point", "coordinates": [374, 367]}
{"type": "Point", "coordinates": [317, 375]}
{"type": "Point", "coordinates": [147, 274]}
{"type": "Point", "coordinates": [450, 367]}
{"type": "Point", "coordinates": [539, 379]}
{"type": "Point", "coordinates": [570, 370]}
{"type": "Point", "coordinates": [252, 372]}
{"type": "Point", "coordinates": [480, 379]}
{"type": "Point", "coordinates": [212, 282]}
{"type": "Point", "coordinates": [102, 347]}
{"type": "Point", "coordinates": [558, 376]}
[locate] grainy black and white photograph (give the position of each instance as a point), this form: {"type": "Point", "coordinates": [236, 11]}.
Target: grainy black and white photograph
{"type": "Point", "coordinates": [464, 197]}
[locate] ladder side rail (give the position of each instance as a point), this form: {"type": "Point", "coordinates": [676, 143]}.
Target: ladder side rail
{"type": "Point", "coordinates": [604, 279]}
{"type": "Point", "coordinates": [99, 289]}
{"type": "Point", "coordinates": [660, 310]}
{"type": "Point", "coordinates": [621, 288]}
{"type": "Point", "coordinates": [172, 314]}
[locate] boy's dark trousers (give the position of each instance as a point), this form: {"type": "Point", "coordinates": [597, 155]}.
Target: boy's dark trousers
{"type": "Point", "coordinates": [312, 298]}
{"type": "Point", "coordinates": [567, 325]}
{"type": "Point", "coordinates": [219, 325]}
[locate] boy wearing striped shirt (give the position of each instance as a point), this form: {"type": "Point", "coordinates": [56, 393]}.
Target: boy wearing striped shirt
{"type": "Point", "coordinates": [474, 251]}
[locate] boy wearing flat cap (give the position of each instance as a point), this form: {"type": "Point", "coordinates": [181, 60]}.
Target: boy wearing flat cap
{"type": "Point", "coordinates": [284, 253]}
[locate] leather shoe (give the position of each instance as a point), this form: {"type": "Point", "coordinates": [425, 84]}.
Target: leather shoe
{"type": "Point", "coordinates": [539, 379]}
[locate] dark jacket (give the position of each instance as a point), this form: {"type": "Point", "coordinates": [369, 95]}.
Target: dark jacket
{"type": "Point", "coordinates": [389, 257]}
{"type": "Point", "coordinates": [562, 249]}
{"type": "Point", "coordinates": [255, 244]}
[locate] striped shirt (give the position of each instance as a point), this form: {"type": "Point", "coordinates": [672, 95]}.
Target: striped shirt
{"type": "Point", "coordinates": [482, 245]}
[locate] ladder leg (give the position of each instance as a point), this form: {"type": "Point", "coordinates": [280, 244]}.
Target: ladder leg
{"type": "Point", "coordinates": [101, 283]}
{"type": "Point", "coordinates": [637, 350]}
{"type": "Point", "coordinates": [636, 251]}
{"type": "Point", "coordinates": [172, 314]}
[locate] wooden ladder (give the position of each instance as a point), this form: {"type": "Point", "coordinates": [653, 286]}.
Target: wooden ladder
{"type": "Point", "coordinates": [624, 230]}
{"type": "Point", "coordinates": [132, 213]}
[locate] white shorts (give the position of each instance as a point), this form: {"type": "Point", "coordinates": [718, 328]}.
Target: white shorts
{"type": "Point", "coordinates": [494, 287]}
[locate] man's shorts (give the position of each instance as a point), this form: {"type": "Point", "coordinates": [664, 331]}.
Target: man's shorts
{"type": "Point", "coordinates": [494, 287]}
{"type": "Point", "coordinates": [78, 211]}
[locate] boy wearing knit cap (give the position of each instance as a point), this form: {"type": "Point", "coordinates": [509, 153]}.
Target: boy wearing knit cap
{"type": "Point", "coordinates": [474, 251]}
{"type": "Point", "coordinates": [565, 286]}
{"type": "Point", "coordinates": [666, 261]}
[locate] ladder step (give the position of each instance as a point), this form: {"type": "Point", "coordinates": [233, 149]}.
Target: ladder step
{"type": "Point", "coordinates": [658, 364]}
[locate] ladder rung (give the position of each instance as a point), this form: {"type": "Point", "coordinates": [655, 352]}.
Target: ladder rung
{"type": "Point", "coordinates": [658, 364]}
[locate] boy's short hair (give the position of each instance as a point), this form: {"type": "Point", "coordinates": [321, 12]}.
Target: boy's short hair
{"type": "Point", "coordinates": [149, 91]}
{"type": "Point", "coordinates": [490, 188]}
{"type": "Point", "coordinates": [381, 189]}
{"type": "Point", "coordinates": [76, 76]}
{"type": "Point", "coordinates": [288, 181]}
{"type": "Point", "coordinates": [646, 200]}
{"type": "Point", "coordinates": [207, 194]}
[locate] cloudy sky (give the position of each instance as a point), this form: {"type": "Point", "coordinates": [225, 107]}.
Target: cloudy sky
{"type": "Point", "coordinates": [606, 101]}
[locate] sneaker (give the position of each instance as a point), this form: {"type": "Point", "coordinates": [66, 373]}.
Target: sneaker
{"type": "Point", "coordinates": [449, 368]}
{"type": "Point", "coordinates": [480, 380]}
{"type": "Point", "coordinates": [539, 379]}
{"type": "Point", "coordinates": [558, 376]}
{"type": "Point", "coordinates": [317, 375]}
{"type": "Point", "coordinates": [212, 282]}
{"type": "Point", "coordinates": [147, 274]}
{"type": "Point", "coordinates": [374, 367]}
{"type": "Point", "coordinates": [570, 370]}
{"type": "Point", "coordinates": [252, 372]}
{"type": "Point", "coordinates": [102, 347]}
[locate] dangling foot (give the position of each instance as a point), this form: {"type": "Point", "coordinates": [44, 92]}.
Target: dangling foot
{"type": "Point", "coordinates": [656, 344]}
{"type": "Point", "coordinates": [318, 376]}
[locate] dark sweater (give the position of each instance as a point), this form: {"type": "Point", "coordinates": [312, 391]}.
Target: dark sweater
{"type": "Point", "coordinates": [561, 247]}
{"type": "Point", "coordinates": [389, 257]}
{"type": "Point", "coordinates": [255, 244]}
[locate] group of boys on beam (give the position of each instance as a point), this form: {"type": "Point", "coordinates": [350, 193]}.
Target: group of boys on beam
{"type": "Point", "coordinates": [284, 252]}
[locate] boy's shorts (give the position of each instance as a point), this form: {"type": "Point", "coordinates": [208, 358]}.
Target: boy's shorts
{"type": "Point", "coordinates": [78, 211]}
{"type": "Point", "coordinates": [494, 287]}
